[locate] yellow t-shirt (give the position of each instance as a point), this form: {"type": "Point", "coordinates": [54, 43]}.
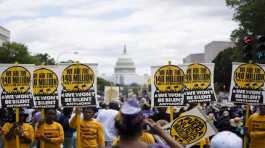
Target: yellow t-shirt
{"type": "Point", "coordinates": [53, 131]}
{"type": "Point", "coordinates": [145, 137]}
{"type": "Point", "coordinates": [256, 130]}
{"type": "Point", "coordinates": [91, 132]}
{"type": "Point", "coordinates": [28, 132]}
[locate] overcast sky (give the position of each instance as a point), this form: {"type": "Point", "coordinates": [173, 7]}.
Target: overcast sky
{"type": "Point", "coordinates": [154, 31]}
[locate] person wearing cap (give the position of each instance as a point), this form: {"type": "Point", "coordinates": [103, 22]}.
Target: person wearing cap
{"type": "Point", "coordinates": [129, 124]}
{"type": "Point", "coordinates": [256, 128]}
{"type": "Point", "coordinates": [49, 131]}
{"type": "Point", "coordinates": [91, 131]}
{"type": "Point", "coordinates": [226, 139]}
{"type": "Point", "coordinates": [22, 129]}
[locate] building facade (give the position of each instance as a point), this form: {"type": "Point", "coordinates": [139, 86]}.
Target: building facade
{"type": "Point", "coordinates": [194, 58]}
{"type": "Point", "coordinates": [212, 49]}
{"type": "Point", "coordinates": [4, 35]}
{"type": "Point", "coordinates": [124, 70]}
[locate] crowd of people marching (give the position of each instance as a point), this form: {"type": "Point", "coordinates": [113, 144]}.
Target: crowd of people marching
{"type": "Point", "coordinates": [129, 124]}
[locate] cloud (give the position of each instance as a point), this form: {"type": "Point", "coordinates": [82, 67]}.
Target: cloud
{"type": "Point", "coordinates": [154, 31]}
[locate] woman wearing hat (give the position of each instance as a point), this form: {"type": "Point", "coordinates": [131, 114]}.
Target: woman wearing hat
{"type": "Point", "coordinates": [129, 124]}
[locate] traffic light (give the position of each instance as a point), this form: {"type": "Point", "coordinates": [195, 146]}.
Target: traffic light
{"type": "Point", "coordinates": [247, 51]}
{"type": "Point", "coordinates": [260, 54]}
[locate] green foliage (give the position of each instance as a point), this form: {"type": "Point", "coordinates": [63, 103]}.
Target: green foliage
{"type": "Point", "coordinates": [17, 52]}
{"type": "Point", "coordinates": [14, 52]}
{"type": "Point", "coordinates": [250, 15]}
{"type": "Point", "coordinates": [223, 66]}
{"type": "Point", "coordinates": [101, 83]}
{"type": "Point", "coordinates": [44, 59]}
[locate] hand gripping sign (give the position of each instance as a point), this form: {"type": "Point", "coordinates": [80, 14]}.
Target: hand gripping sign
{"type": "Point", "coordinates": [191, 127]}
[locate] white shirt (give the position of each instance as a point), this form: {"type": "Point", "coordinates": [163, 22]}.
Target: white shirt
{"type": "Point", "coordinates": [107, 118]}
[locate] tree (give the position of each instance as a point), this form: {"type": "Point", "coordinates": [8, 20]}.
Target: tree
{"type": "Point", "coordinates": [101, 83]}
{"type": "Point", "coordinates": [250, 15]}
{"type": "Point", "coordinates": [223, 66]}
{"type": "Point", "coordinates": [17, 52]}
{"type": "Point", "coordinates": [44, 59]}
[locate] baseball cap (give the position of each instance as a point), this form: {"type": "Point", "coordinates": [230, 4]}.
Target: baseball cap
{"type": "Point", "coordinates": [131, 107]}
{"type": "Point", "coordinates": [226, 139]}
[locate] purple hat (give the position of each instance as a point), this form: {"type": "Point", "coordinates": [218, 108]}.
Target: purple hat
{"type": "Point", "coordinates": [131, 107]}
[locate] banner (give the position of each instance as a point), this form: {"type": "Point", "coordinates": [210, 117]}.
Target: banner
{"type": "Point", "coordinates": [191, 127]}
{"type": "Point", "coordinates": [176, 85]}
{"type": "Point", "coordinates": [247, 83]}
{"type": "Point", "coordinates": [199, 86]}
{"type": "Point", "coordinates": [167, 86]}
{"type": "Point", "coordinates": [16, 87]}
{"type": "Point", "coordinates": [111, 93]}
{"type": "Point", "coordinates": [78, 85]}
{"type": "Point", "coordinates": [45, 86]}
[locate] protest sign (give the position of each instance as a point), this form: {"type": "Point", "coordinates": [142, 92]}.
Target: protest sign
{"type": "Point", "coordinates": [190, 127]}
{"type": "Point", "coordinates": [78, 85]}
{"type": "Point", "coordinates": [247, 83]}
{"type": "Point", "coordinates": [15, 87]}
{"type": "Point", "coordinates": [111, 93]}
{"type": "Point", "coordinates": [45, 87]}
{"type": "Point", "coordinates": [177, 85]}
{"type": "Point", "coordinates": [198, 83]}
{"type": "Point", "coordinates": [167, 86]}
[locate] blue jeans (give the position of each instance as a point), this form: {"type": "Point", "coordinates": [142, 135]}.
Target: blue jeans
{"type": "Point", "coordinates": [68, 142]}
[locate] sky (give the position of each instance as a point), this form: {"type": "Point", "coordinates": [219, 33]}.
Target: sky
{"type": "Point", "coordinates": [95, 31]}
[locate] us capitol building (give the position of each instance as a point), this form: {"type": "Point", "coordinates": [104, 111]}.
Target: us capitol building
{"type": "Point", "coordinates": [125, 71]}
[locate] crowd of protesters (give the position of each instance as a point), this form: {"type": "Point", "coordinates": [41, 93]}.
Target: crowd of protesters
{"type": "Point", "coordinates": [128, 124]}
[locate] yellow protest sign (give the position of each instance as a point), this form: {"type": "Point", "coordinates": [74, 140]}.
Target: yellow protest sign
{"type": "Point", "coordinates": [247, 85]}
{"type": "Point", "coordinates": [198, 77]}
{"type": "Point", "coordinates": [78, 86]}
{"type": "Point", "coordinates": [45, 84]}
{"type": "Point", "coordinates": [188, 129]}
{"type": "Point", "coordinates": [15, 79]}
{"type": "Point", "coordinates": [198, 83]}
{"type": "Point", "coordinates": [15, 84]}
{"type": "Point", "coordinates": [169, 83]}
{"type": "Point", "coordinates": [77, 77]}
{"type": "Point", "coordinates": [249, 76]}
{"type": "Point", "coordinates": [169, 78]}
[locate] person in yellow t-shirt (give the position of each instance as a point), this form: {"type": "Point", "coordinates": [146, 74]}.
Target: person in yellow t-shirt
{"type": "Point", "coordinates": [91, 131]}
{"type": "Point", "coordinates": [49, 132]}
{"type": "Point", "coordinates": [24, 130]}
{"type": "Point", "coordinates": [256, 128]}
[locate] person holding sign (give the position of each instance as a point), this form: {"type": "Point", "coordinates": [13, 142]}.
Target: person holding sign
{"type": "Point", "coordinates": [129, 124]}
{"type": "Point", "coordinates": [50, 132]}
{"type": "Point", "coordinates": [91, 131]}
{"type": "Point", "coordinates": [256, 128]}
{"type": "Point", "coordinates": [23, 130]}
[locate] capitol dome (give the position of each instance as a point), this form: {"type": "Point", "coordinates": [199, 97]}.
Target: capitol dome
{"type": "Point", "coordinates": [124, 64]}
